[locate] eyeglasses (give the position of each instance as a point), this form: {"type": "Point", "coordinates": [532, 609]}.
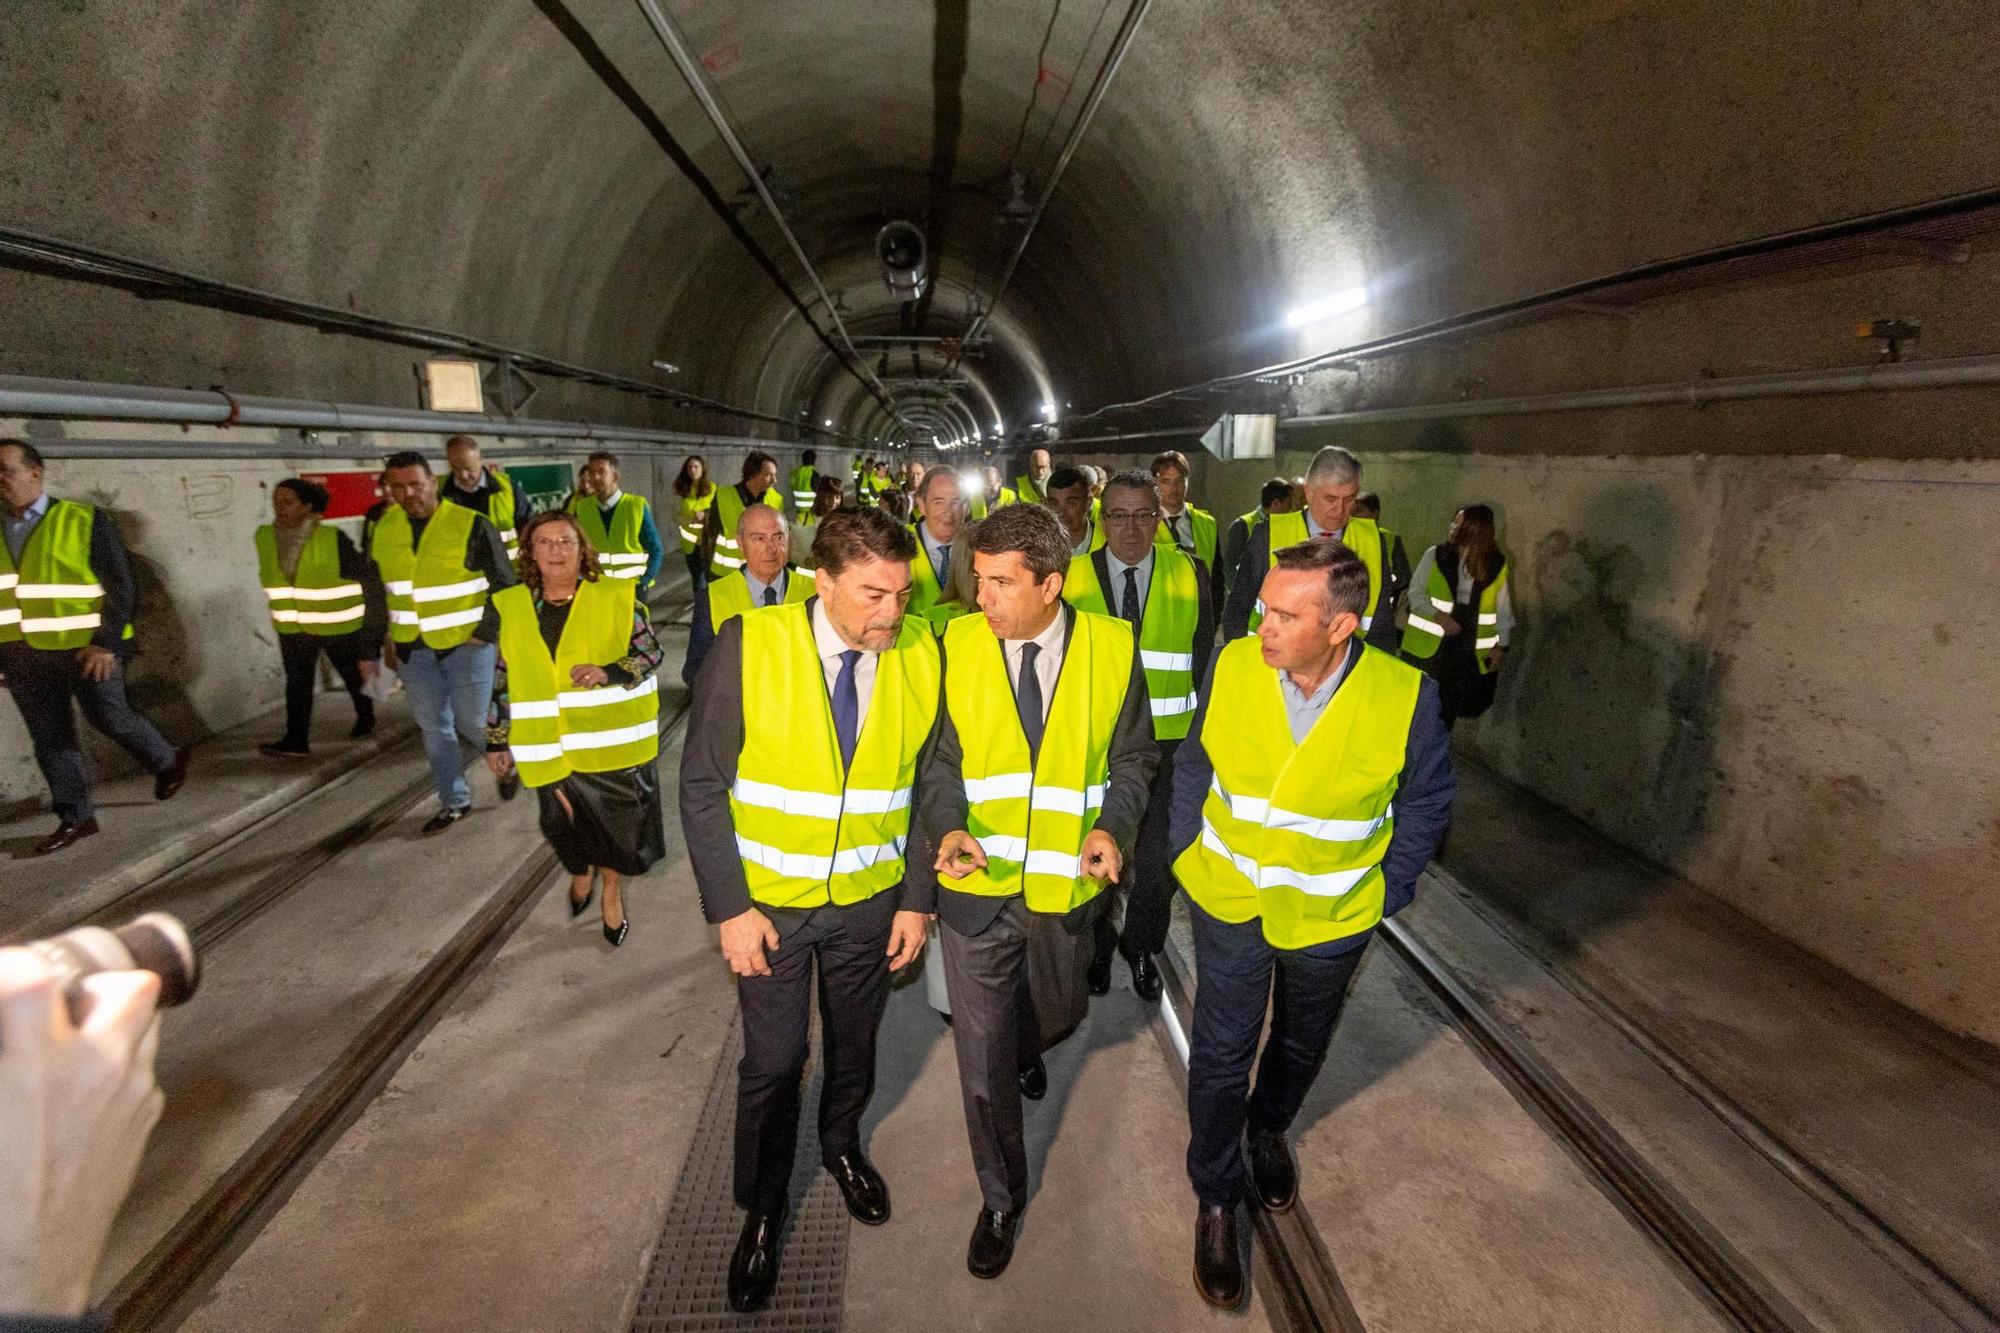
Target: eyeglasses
{"type": "Point", "coordinates": [1131, 516]}
{"type": "Point", "coordinates": [554, 543]}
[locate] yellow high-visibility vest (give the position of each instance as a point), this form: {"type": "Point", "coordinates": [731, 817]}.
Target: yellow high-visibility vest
{"type": "Point", "coordinates": [53, 599]}
{"type": "Point", "coordinates": [1202, 526]}
{"type": "Point", "coordinates": [317, 599]}
{"type": "Point", "coordinates": [729, 508]}
{"type": "Point", "coordinates": [809, 830]}
{"type": "Point", "coordinates": [802, 488]}
{"type": "Point", "coordinates": [730, 595]}
{"type": "Point", "coordinates": [620, 553]}
{"type": "Point", "coordinates": [1292, 835]}
{"type": "Point", "coordinates": [433, 595]}
{"type": "Point", "coordinates": [556, 727]}
{"type": "Point", "coordinates": [1360, 536]}
{"type": "Point", "coordinates": [1422, 634]}
{"type": "Point", "coordinates": [689, 511]}
{"type": "Point", "coordinates": [1031, 818]}
{"type": "Point", "coordinates": [1167, 624]}
{"type": "Point", "coordinates": [927, 596]}
{"type": "Point", "coordinates": [499, 512]}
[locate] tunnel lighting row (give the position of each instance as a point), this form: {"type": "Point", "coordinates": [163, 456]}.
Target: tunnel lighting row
{"type": "Point", "coordinates": [1314, 312]}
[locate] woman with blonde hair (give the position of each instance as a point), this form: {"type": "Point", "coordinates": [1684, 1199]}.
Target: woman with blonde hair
{"type": "Point", "coordinates": [575, 712]}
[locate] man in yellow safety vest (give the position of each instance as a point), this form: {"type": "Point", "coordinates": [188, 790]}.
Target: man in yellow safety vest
{"type": "Point", "coordinates": [1332, 488]}
{"type": "Point", "coordinates": [1031, 487]}
{"type": "Point", "coordinates": [931, 567]}
{"type": "Point", "coordinates": [718, 533]}
{"type": "Point", "coordinates": [618, 523]}
{"type": "Point", "coordinates": [766, 579]}
{"type": "Point", "coordinates": [65, 631]}
{"type": "Point", "coordinates": [1314, 788]}
{"type": "Point", "coordinates": [484, 490]}
{"type": "Point", "coordinates": [819, 806]}
{"type": "Point", "coordinates": [1031, 810]}
{"type": "Point", "coordinates": [1181, 524]}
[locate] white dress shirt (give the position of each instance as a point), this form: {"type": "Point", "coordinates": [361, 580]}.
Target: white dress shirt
{"type": "Point", "coordinates": [1047, 666]}
{"type": "Point", "coordinates": [1181, 528]}
{"type": "Point", "coordinates": [1115, 592]}
{"type": "Point", "coordinates": [830, 645]}
{"type": "Point", "coordinates": [1420, 582]}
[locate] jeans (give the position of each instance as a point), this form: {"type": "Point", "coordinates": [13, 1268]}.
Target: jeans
{"type": "Point", "coordinates": [449, 696]}
{"type": "Point", "coordinates": [42, 681]}
{"type": "Point", "coordinates": [1235, 969]}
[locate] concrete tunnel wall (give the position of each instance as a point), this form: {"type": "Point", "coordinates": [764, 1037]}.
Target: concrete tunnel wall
{"type": "Point", "coordinates": [1769, 675]}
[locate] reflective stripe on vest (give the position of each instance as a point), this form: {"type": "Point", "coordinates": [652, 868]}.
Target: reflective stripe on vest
{"type": "Point", "coordinates": [554, 728]}
{"type": "Point", "coordinates": [689, 510]}
{"type": "Point", "coordinates": [1360, 536]}
{"type": "Point", "coordinates": [802, 488]}
{"type": "Point", "coordinates": [620, 553]}
{"type": "Point", "coordinates": [807, 831]}
{"type": "Point", "coordinates": [1294, 835]}
{"type": "Point", "coordinates": [1031, 820]}
{"type": "Point", "coordinates": [729, 596]}
{"type": "Point", "coordinates": [1423, 635]}
{"type": "Point", "coordinates": [53, 600]}
{"type": "Point", "coordinates": [317, 599]}
{"type": "Point", "coordinates": [729, 507]}
{"type": "Point", "coordinates": [432, 595]}
{"type": "Point", "coordinates": [1167, 626]}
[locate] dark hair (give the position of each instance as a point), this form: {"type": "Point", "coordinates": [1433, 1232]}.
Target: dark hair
{"type": "Point", "coordinates": [1346, 576]}
{"type": "Point", "coordinates": [531, 573]}
{"type": "Point", "coordinates": [895, 502]}
{"type": "Point", "coordinates": [29, 453]}
{"type": "Point", "coordinates": [1478, 547]}
{"type": "Point", "coordinates": [1031, 530]}
{"type": "Point", "coordinates": [310, 493]}
{"type": "Point", "coordinates": [466, 440]}
{"type": "Point", "coordinates": [1370, 501]}
{"type": "Point", "coordinates": [849, 536]}
{"type": "Point", "coordinates": [1168, 458]}
{"type": "Point", "coordinates": [406, 458]}
{"type": "Point", "coordinates": [1135, 480]}
{"type": "Point", "coordinates": [1276, 489]}
{"type": "Point", "coordinates": [753, 463]}
{"type": "Point", "coordinates": [1066, 476]}
{"type": "Point", "coordinates": [828, 492]}
{"type": "Point", "coordinates": [603, 456]}
{"type": "Point", "coordinates": [684, 484]}
{"type": "Point", "coordinates": [808, 458]}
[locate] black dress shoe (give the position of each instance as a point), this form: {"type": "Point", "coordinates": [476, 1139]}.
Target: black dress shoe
{"type": "Point", "coordinates": [1272, 1169]}
{"type": "Point", "coordinates": [170, 778]}
{"type": "Point", "coordinates": [445, 818]}
{"type": "Point", "coordinates": [867, 1194]}
{"type": "Point", "coordinates": [66, 835]}
{"type": "Point", "coordinates": [364, 725]}
{"type": "Point", "coordinates": [509, 784]}
{"type": "Point", "coordinates": [753, 1269]}
{"type": "Point", "coordinates": [992, 1246]}
{"type": "Point", "coordinates": [578, 906]}
{"type": "Point", "coordinates": [617, 935]}
{"type": "Point", "coordinates": [1146, 978]}
{"type": "Point", "coordinates": [1034, 1080]}
{"type": "Point", "coordinates": [1218, 1266]}
{"type": "Point", "coordinates": [1099, 975]}
{"type": "Point", "coordinates": [285, 749]}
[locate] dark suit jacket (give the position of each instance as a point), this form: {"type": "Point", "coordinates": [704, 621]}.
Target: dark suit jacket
{"type": "Point", "coordinates": [708, 770]}
{"type": "Point", "coordinates": [1248, 581]}
{"type": "Point", "coordinates": [1204, 624]}
{"type": "Point", "coordinates": [940, 805]}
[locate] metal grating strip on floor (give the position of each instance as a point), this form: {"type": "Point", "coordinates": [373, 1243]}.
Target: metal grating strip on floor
{"type": "Point", "coordinates": [686, 1289]}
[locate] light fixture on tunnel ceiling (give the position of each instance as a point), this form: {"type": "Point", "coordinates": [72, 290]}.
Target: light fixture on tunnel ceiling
{"type": "Point", "coordinates": [667, 366]}
{"type": "Point", "coordinates": [1313, 312]}
{"type": "Point", "coordinates": [829, 421]}
{"type": "Point", "coordinates": [901, 250]}
{"type": "Point", "coordinates": [1049, 411]}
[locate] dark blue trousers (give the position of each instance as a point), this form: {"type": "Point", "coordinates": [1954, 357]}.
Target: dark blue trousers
{"type": "Point", "coordinates": [43, 681]}
{"type": "Point", "coordinates": [1238, 977]}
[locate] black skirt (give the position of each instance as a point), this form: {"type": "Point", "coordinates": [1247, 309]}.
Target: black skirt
{"type": "Point", "coordinates": [617, 823]}
{"type": "Point", "coordinates": [1463, 689]}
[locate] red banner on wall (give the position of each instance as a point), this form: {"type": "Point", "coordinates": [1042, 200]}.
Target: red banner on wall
{"type": "Point", "coordinates": [352, 493]}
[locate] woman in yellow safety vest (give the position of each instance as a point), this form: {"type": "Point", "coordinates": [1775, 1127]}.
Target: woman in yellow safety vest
{"type": "Point", "coordinates": [576, 710]}
{"type": "Point", "coordinates": [693, 494]}
{"type": "Point", "coordinates": [323, 596]}
{"type": "Point", "coordinates": [1460, 614]}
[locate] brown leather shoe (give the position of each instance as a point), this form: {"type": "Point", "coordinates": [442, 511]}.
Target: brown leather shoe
{"type": "Point", "coordinates": [66, 835]}
{"type": "Point", "coordinates": [169, 779]}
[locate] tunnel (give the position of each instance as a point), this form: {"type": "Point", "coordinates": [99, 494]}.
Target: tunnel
{"type": "Point", "coordinates": [1692, 1021]}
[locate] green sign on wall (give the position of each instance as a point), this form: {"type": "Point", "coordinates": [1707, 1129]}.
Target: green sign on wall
{"type": "Point", "coordinates": [544, 486]}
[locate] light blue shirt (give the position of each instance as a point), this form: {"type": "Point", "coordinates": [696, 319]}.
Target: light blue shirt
{"type": "Point", "coordinates": [757, 589]}
{"type": "Point", "coordinates": [18, 530]}
{"type": "Point", "coordinates": [1302, 709]}
{"type": "Point", "coordinates": [936, 550]}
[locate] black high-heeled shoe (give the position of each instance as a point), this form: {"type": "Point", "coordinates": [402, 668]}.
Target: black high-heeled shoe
{"type": "Point", "coordinates": [577, 906]}
{"type": "Point", "coordinates": [617, 937]}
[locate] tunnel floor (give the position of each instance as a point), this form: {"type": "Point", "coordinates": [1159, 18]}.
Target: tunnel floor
{"type": "Point", "coordinates": [514, 1156]}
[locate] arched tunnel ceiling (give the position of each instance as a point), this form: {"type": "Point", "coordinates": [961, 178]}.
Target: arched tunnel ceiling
{"type": "Point", "coordinates": [466, 164]}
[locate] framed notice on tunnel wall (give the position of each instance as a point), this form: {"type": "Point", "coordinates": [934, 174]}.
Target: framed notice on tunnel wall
{"type": "Point", "coordinates": [543, 486]}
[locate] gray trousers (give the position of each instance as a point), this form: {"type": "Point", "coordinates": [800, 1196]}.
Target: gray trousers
{"type": "Point", "coordinates": [1016, 988]}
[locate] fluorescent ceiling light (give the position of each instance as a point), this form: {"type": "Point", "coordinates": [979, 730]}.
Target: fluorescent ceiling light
{"type": "Point", "coordinates": [1340, 303]}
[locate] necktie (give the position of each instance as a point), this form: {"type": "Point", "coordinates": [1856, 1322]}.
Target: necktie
{"type": "Point", "coordinates": [1028, 698]}
{"type": "Point", "coordinates": [770, 596]}
{"type": "Point", "coordinates": [1174, 530]}
{"type": "Point", "coordinates": [944, 566]}
{"type": "Point", "coordinates": [1128, 600]}
{"type": "Point", "coordinates": [846, 705]}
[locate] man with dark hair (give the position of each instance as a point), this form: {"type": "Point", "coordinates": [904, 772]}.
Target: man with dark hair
{"type": "Point", "coordinates": [1181, 523]}
{"type": "Point", "coordinates": [66, 604]}
{"type": "Point", "coordinates": [1068, 496]}
{"type": "Point", "coordinates": [619, 524]}
{"type": "Point", "coordinates": [805, 478]}
{"type": "Point", "coordinates": [819, 805]}
{"type": "Point", "coordinates": [484, 490]}
{"type": "Point", "coordinates": [1315, 786]}
{"type": "Point", "coordinates": [1332, 484]}
{"type": "Point", "coordinates": [440, 564]}
{"type": "Point", "coordinates": [1026, 812]}
{"type": "Point", "coordinates": [1275, 497]}
{"type": "Point", "coordinates": [1396, 578]}
{"type": "Point", "coordinates": [718, 533]}
{"type": "Point", "coordinates": [1163, 592]}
